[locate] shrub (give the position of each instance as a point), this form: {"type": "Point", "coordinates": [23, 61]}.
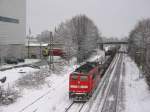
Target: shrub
{"type": "Point", "coordinates": [8, 95]}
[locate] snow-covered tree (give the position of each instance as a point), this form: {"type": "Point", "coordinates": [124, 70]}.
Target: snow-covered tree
{"type": "Point", "coordinates": [44, 36]}
{"type": "Point", "coordinates": [79, 36]}
{"type": "Point", "coordinates": [139, 46]}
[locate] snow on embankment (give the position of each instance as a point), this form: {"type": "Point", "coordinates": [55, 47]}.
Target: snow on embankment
{"type": "Point", "coordinates": [13, 74]}
{"type": "Point", "coordinates": [97, 56]}
{"type": "Point", "coordinates": [27, 61]}
{"type": "Point", "coordinates": [137, 94]}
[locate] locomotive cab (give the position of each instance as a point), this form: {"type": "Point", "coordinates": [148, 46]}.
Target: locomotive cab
{"type": "Point", "coordinates": [78, 87]}
{"type": "Point", "coordinates": [83, 81]}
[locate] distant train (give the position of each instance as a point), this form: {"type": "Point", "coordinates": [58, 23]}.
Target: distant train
{"type": "Point", "coordinates": [85, 79]}
{"type": "Point", "coordinates": [54, 52]}
{"type": "Point", "coordinates": [112, 51]}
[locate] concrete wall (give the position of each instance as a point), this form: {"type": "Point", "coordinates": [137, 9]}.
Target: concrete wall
{"type": "Point", "coordinates": [13, 33]}
{"type": "Point", "coordinates": [12, 26]}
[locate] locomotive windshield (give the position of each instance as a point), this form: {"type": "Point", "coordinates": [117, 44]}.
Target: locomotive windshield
{"type": "Point", "coordinates": [83, 78]}
{"type": "Point", "coordinates": [74, 77]}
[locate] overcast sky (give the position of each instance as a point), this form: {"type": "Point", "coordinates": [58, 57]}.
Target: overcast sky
{"type": "Point", "coordinates": [114, 18]}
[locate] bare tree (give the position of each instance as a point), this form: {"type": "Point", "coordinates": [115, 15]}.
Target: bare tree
{"type": "Point", "coordinates": [80, 36]}
{"type": "Point", "coordinates": [139, 46]}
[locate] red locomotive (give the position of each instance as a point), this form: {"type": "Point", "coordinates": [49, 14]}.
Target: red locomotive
{"type": "Point", "coordinates": [83, 81]}
{"type": "Point", "coordinates": [54, 52]}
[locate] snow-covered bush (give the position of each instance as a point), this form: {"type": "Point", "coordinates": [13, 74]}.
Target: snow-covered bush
{"type": "Point", "coordinates": [33, 80]}
{"type": "Point", "coordinates": [37, 79]}
{"type": "Point", "coordinates": [8, 95]}
{"type": "Point", "coordinates": [59, 67]}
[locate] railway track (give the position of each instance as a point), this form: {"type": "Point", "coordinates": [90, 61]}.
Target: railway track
{"type": "Point", "coordinates": [67, 109]}
{"type": "Point", "coordinates": [102, 87]}
{"type": "Point", "coordinates": [111, 98]}
{"type": "Point", "coordinates": [81, 107]}
{"type": "Point", "coordinates": [72, 105]}
{"type": "Point", "coordinates": [39, 98]}
{"type": "Point", "coordinates": [75, 107]}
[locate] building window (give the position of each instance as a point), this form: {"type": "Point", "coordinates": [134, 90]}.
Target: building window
{"type": "Point", "coordinates": [10, 20]}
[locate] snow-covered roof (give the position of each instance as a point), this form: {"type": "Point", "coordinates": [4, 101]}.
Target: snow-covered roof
{"type": "Point", "coordinates": [36, 44]}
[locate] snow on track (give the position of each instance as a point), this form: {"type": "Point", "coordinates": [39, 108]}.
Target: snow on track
{"type": "Point", "coordinates": [75, 107]}
{"type": "Point", "coordinates": [97, 98]}
{"type": "Point", "coordinates": [111, 99]}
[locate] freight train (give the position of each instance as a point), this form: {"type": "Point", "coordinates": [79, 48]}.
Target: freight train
{"type": "Point", "coordinates": [85, 79]}
{"type": "Point", "coordinates": [112, 50]}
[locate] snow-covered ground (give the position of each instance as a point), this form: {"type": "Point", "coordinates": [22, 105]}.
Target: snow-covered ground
{"type": "Point", "coordinates": [97, 56]}
{"type": "Point", "coordinates": [27, 61]}
{"type": "Point", "coordinates": [51, 97]}
{"type": "Point", "coordinates": [45, 99]}
{"type": "Point", "coordinates": [137, 94]}
{"type": "Point", "coordinates": [13, 74]}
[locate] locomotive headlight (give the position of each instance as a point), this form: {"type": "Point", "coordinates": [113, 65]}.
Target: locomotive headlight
{"type": "Point", "coordinates": [84, 87]}
{"type": "Point", "coordinates": [73, 86]}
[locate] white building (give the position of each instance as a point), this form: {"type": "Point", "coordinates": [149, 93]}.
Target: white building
{"type": "Point", "coordinates": [12, 27]}
{"type": "Point", "coordinates": [34, 48]}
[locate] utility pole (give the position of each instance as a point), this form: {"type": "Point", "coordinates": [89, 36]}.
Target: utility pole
{"type": "Point", "coordinates": [28, 46]}
{"type": "Point", "coordinates": [40, 50]}
{"type": "Point", "coordinates": [29, 43]}
{"type": "Point", "coordinates": [51, 66]}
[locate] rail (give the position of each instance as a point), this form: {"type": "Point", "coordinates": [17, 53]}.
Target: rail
{"type": "Point", "coordinates": [114, 80]}
{"type": "Point", "coordinates": [104, 82]}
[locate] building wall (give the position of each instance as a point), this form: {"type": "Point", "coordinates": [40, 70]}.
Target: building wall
{"type": "Point", "coordinates": [11, 32]}
{"type": "Point", "coordinates": [12, 25]}
{"type": "Point", "coordinates": [35, 50]}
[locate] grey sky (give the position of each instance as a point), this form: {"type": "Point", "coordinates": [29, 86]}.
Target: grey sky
{"type": "Point", "coordinates": [113, 17]}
